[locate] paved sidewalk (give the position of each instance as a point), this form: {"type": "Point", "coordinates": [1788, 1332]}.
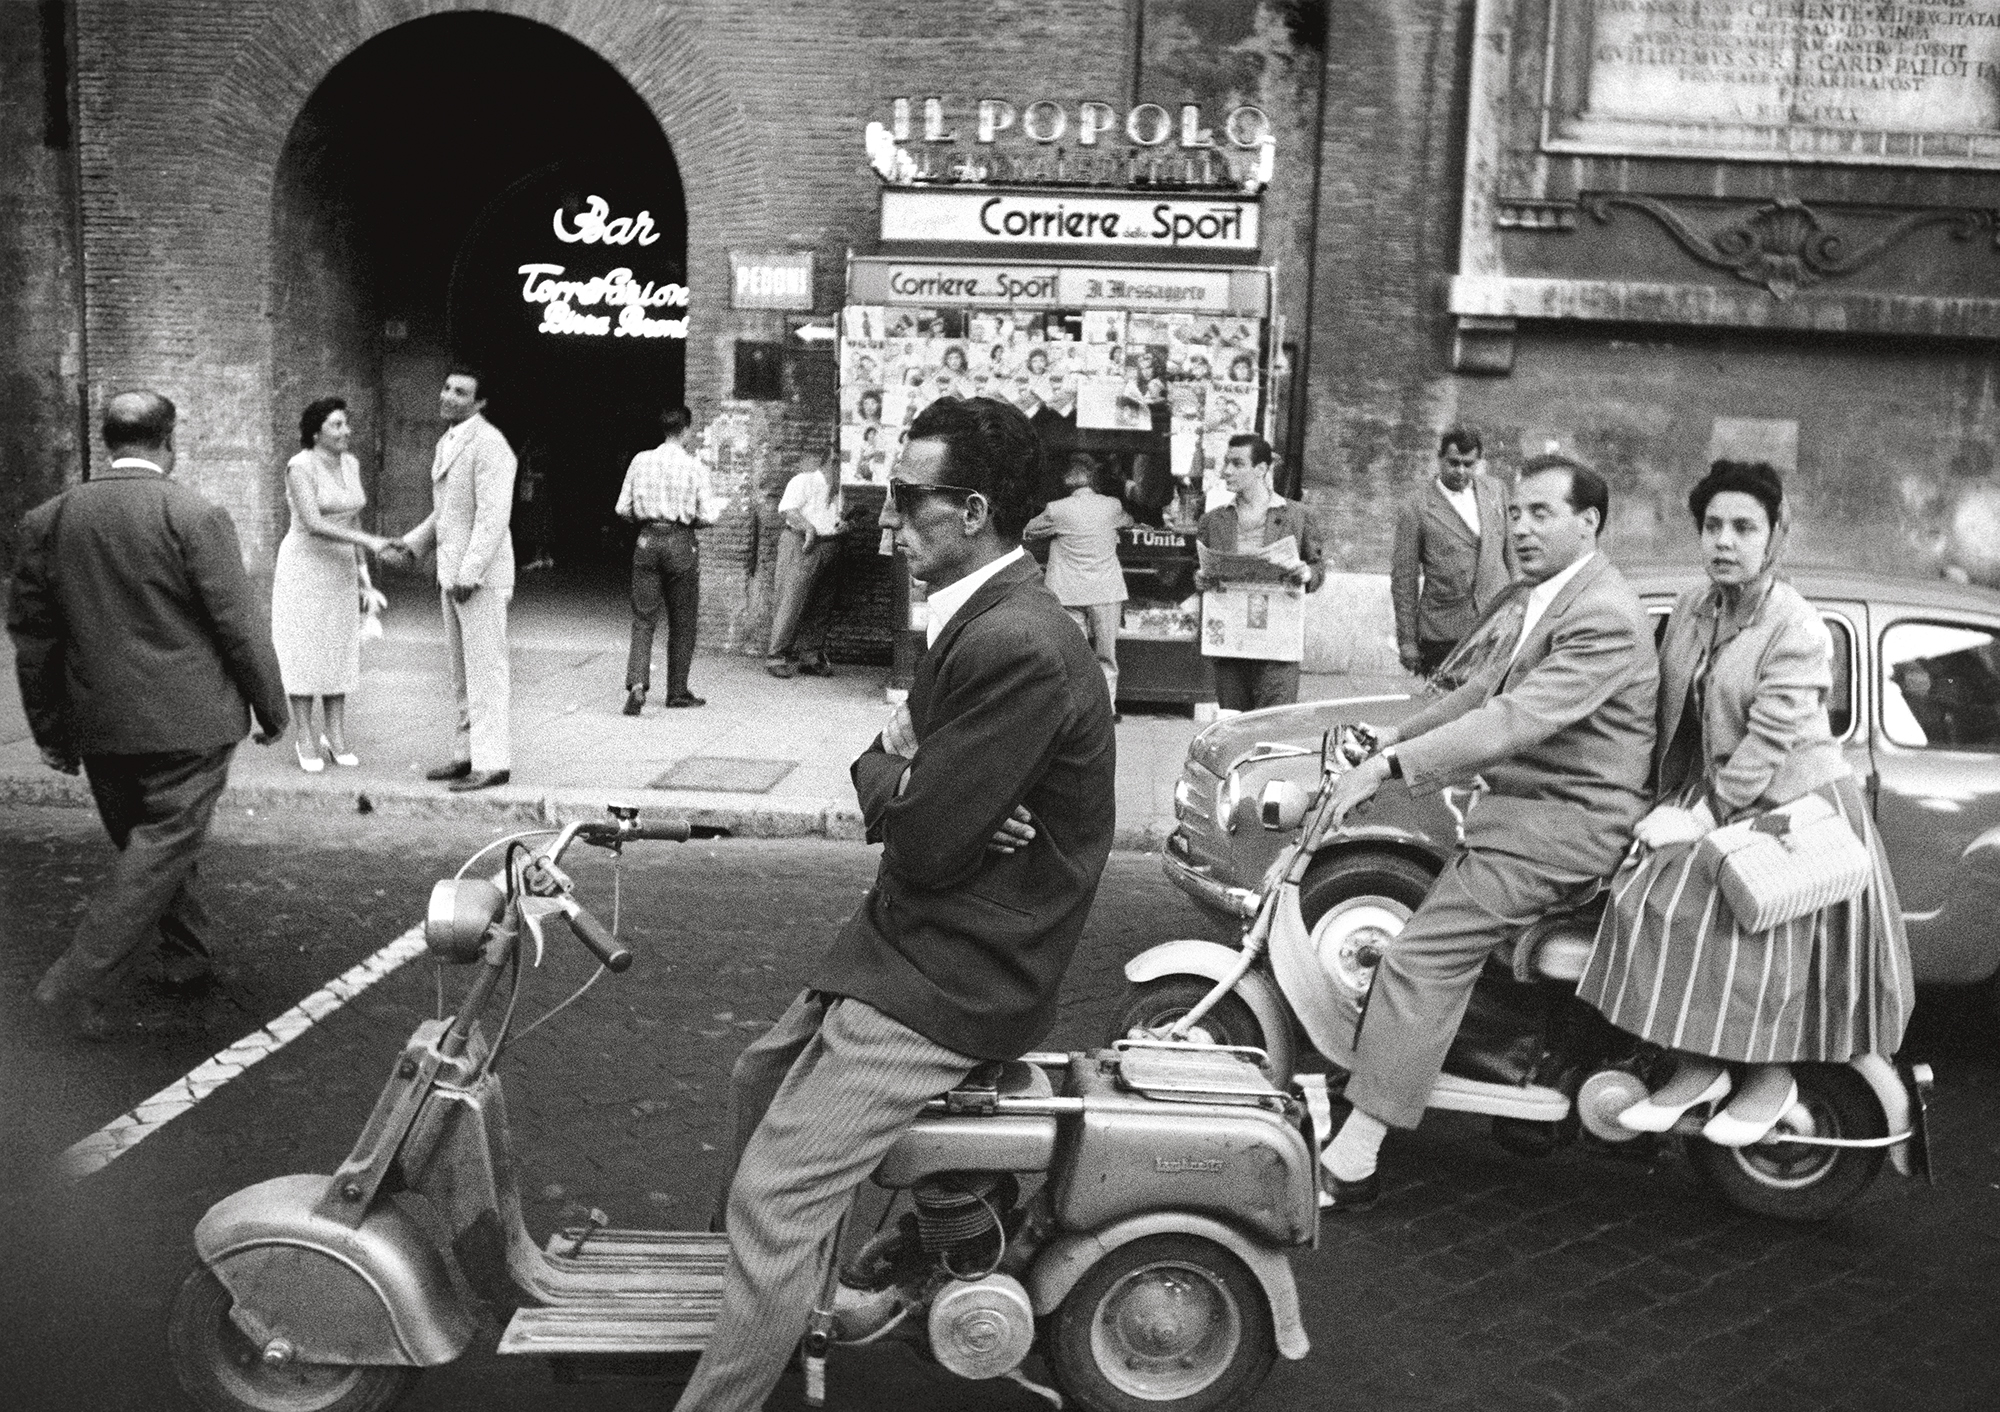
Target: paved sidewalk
{"type": "Point", "coordinates": [574, 751]}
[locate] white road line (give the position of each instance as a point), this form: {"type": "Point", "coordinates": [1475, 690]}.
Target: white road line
{"type": "Point", "coordinates": [123, 1133]}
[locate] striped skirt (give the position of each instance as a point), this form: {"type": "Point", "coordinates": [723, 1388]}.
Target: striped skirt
{"type": "Point", "coordinates": [1671, 965]}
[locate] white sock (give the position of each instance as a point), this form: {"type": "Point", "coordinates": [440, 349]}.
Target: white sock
{"type": "Point", "coordinates": [1351, 1154]}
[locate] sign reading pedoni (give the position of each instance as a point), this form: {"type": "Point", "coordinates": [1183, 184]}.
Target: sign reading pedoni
{"type": "Point", "coordinates": [1029, 218]}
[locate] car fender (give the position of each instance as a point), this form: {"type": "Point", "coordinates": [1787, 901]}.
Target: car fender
{"type": "Point", "coordinates": [1211, 962]}
{"type": "Point", "coordinates": [377, 1293]}
{"type": "Point", "coordinates": [1067, 1258]}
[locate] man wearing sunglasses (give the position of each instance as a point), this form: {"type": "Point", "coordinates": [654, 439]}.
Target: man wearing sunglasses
{"type": "Point", "coordinates": [991, 793]}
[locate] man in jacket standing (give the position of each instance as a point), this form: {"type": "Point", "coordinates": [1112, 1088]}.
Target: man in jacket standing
{"type": "Point", "coordinates": [1082, 534]}
{"type": "Point", "coordinates": [991, 793]}
{"type": "Point", "coordinates": [1452, 557]}
{"type": "Point", "coordinates": [142, 655]}
{"type": "Point", "coordinates": [1561, 732]}
{"type": "Point", "coordinates": [472, 498]}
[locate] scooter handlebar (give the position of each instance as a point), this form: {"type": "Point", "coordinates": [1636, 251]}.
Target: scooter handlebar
{"type": "Point", "coordinates": [600, 939]}
{"type": "Point", "coordinates": [666, 830]}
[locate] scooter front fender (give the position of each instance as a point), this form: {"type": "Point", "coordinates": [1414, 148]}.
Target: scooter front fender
{"type": "Point", "coordinates": [1066, 1259]}
{"type": "Point", "coordinates": [380, 1292]}
{"type": "Point", "coordinates": [1211, 962]}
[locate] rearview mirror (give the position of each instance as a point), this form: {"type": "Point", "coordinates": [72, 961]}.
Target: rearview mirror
{"type": "Point", "coordinates": [1282, 805]}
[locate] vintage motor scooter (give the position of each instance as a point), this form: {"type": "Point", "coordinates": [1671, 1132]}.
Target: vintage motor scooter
{"type": "Point", "coordinates": [1125, 1213]}
{"type": "Point", "coordinates": [1543, 1065]}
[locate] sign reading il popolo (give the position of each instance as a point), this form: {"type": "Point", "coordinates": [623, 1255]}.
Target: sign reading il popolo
{"type": "Point", "coordinates": [1093, 222]}
{"type": "Point", "coordinates": [1907, 82]}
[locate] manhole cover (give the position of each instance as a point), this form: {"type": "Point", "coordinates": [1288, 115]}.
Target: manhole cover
{"type": "Point", "coordinates": [722, 773]}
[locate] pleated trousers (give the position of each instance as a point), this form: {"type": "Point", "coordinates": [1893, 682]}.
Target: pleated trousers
{"type": "Point", "coordinates": [815, 1103]}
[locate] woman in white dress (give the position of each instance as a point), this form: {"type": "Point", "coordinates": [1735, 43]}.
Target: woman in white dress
{"type": "Point", "coordinates": [321, 578]}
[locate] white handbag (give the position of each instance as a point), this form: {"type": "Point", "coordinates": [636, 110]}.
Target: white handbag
{"type": "Point", "coordinates": [1784, 864]}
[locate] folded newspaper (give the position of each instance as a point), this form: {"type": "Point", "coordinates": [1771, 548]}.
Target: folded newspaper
{"type": "Point", "coordinates": [1276, 562]}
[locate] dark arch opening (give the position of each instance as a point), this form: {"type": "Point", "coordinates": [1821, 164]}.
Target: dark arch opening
{"type": "Point", "coordinates": [428, 167]}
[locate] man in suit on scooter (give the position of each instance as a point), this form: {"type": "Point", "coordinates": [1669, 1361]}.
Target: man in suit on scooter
{"type": "Point", "coordinates": [991, 793]}
{"type": "Point", "coordinates": [1560, 732]}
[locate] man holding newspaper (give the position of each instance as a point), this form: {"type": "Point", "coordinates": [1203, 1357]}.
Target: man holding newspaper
{"type": "Point", "coordinates": [1259, 557]}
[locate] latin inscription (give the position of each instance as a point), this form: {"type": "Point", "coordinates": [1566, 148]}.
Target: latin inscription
{"type": "Point", "coordinates": [1881, 80]}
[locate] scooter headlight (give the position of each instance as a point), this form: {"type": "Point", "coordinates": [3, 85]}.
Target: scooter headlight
{"type": "Point", "coordinates": [461, 910]}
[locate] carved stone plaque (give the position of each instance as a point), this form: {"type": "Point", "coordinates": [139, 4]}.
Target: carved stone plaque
{"type": "Point", "coordinates": [1902, 82]}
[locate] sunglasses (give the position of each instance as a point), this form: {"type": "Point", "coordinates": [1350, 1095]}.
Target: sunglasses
{"type": "Point", "coordinates": [906, 494]}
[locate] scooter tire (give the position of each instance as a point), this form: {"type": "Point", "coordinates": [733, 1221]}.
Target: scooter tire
{"type": "Point", "coordinates": [1799, 1183]}
{"type": "Point", "coordinates": [1159, 1003]}
{"type": "Point", "coordinates": [221, 1370]}
{"type": "Point", "coordinates": [1166, 1323]}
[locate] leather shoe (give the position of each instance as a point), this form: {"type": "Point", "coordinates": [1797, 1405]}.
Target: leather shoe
{"type": "Point", "coordinates": [80, 1017]}
{"type": "Point", "coordinates": [456, 770]}
{"type": "Point", "coordinates": [479, 779]}
{"type": "Point", "coordinates": [686, 701]}
{"type": "Point", "coordinates": [1337, 1195]}
{"type": "Point", "coordinates": [779, 668]}
{"type": "Point", "coordinates": [634, 699]}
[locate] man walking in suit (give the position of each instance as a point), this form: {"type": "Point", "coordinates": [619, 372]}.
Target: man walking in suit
{"type": "Point", "coordinates": [1452, 555]}
{"type": "Point", "coordinates": [472, 499]}
{"type": "Point", "coordinates": [667, 494]}
{"type": "Point", "coordinates": [991, 794]}
{"type": "Point", "coordinates": [1561, 732]}
{"type": "Point", "coordinates": [142, 655]}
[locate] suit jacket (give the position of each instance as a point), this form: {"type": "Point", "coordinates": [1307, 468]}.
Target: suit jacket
{"type": "Point", "coordinates": [965, 946]}
{"type": "Point", "coordinates": [135, 628]}
{"type": "Point", "coordinates": [1461, 574]}
{"type": "Point", "coordinates": [1082, 531]}
{"type": "Point", "coordinates": [472, 499]}
{"type": "Point", "coordinates": [1562, 733]}
{"type": "Point", "coordinates": [1763, 721]}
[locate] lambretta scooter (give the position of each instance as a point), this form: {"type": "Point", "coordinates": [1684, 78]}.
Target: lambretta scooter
{"type": "Point", "coordinates": [1124, 1213]}
{"type": "Point", "coordinates": [1544, 1066]}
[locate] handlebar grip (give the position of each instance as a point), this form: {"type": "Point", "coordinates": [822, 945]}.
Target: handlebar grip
{"type": "Point", "coordinates": [599, 938]}
{"type": "Point", "coordinates": [666, 830]}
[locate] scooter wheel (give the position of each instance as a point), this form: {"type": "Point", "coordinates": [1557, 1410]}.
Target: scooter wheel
{"type": "Point", "coordinates": [1157, 1004]}
{"type": "Point", "coordinates": [221, 1370]}
{"type": "Point", "coordinates": [1166, 1323]}
{"type": "Point", "coordinates": [1793, 1181]}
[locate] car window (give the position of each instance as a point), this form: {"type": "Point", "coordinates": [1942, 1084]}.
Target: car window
{"type": "Point", "coordinates": [1840, 701]}
{"type": "Point", "coordinates": [1941, 686]}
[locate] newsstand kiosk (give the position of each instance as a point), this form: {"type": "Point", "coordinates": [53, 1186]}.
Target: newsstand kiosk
{"type": "Point", "coordinates": [1133, 327]}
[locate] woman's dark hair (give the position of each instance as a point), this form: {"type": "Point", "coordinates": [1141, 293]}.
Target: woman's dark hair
{"type": "Point", "coordinates": [990, 447]}
{"type": "Point", "coordinates": [314, 417]}
{"type": "Point", "coordinates": [1756, 479]}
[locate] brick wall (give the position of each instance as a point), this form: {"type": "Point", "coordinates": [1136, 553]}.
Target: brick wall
{"type": "Point", "coordinates": [41, 332]}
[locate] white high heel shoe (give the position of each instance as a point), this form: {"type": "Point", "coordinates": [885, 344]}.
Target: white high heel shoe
{"type": "Point", "coordinates": [346, 759]}
{"type": "Point", "coordinates": [311, 764]}
{"type": "Point", "coordinates": [1649, 1116]}
{"type": "Point", "coordinates": [1726, 1129]}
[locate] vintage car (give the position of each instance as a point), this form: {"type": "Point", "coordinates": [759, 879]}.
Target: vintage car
{"type": "Point", "coordinates": [1916, 700]}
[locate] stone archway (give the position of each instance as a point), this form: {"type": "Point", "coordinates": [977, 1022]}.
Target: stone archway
{"type": "Point", "coordinates": [206, 338]}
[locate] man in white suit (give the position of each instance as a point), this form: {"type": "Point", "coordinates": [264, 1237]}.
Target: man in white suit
{"type": "Point", "coordinates": [1561, 733]}
{"type": "Point", "coordinates": [472, 497]}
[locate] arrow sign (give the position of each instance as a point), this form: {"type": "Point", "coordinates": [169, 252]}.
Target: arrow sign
{"type": "Point", "coordinates": [816, 333]}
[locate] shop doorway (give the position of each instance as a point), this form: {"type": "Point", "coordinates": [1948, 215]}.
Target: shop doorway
{"type": "Point", "coordinates": [429, 167]}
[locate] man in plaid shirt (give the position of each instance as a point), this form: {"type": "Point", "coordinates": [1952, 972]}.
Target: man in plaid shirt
{"type": "Point", "coordinates": [668, 495]}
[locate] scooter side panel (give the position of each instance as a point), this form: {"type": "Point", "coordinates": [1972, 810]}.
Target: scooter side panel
{"type": "Point", "coordinates": [377, 1293]}
{"type": "Point", "coordinates": [1212, 962]}
{"type": "Point", "coordinates": [1067, 1258]}
{"type": "Point", "coordinates": [1128, 1155]}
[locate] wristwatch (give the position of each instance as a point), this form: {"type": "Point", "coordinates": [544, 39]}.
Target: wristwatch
{"type": "Point", "coordinates": [1395, 763]}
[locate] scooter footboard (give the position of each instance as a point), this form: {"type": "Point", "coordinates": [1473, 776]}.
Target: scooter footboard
{"type": "Point", "coordinates": [1068, 1257]}
{"type": "Point", "coordinates": [377, 1293]}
